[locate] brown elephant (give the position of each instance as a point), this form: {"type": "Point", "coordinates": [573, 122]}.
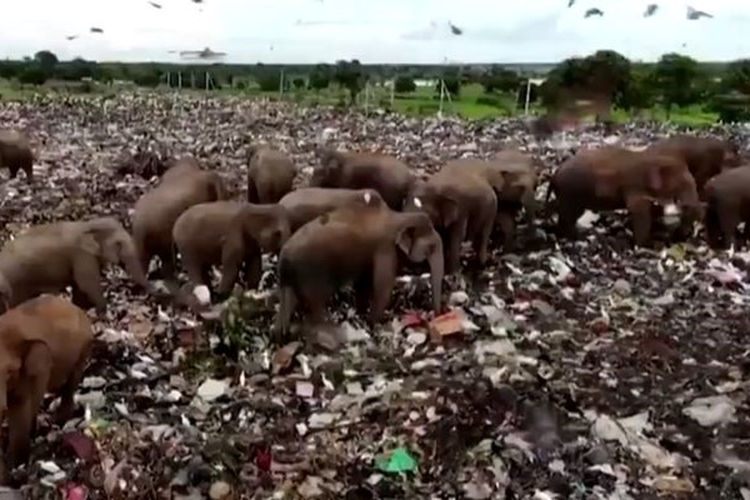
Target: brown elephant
{"type": "Point", "coordinates": [727, 205]}
{"type": "Point", "coordinates": [385, 174]}
{"type": "Point", "coordinates": [183, 185]}
{"type": "Point", "coordinates": [356, 243]}
{"type": "Point", "coordinates": [50, 257]}
{"type": "Point", "coordinates": [45, 344]}
{"type": "Point", "coordinates": [705, 156]}
{"type": "Point", "coordinates": [305, 204]}
{"type": "Point", "coordinates": [230, 233]}
{"type": "Point", "coordinates": [270, 174]}
{"type": "Point", "coordinates": [611, 178]}
{"type": "Point", "coordinates": [16, 153]}
{"type": "Point", "coordinates": [460, 206]}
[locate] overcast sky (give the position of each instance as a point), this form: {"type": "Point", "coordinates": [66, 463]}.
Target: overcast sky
{"type": "Point", "coordinates": [393, 31]}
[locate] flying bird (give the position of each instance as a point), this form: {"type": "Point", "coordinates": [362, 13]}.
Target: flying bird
{"type": "Point", "coordinates": [651, 10]}
{"type": "Point", "coordinates": [455, 29]}
{"type": "Point", "coordinates": [593, 12]}
{"type": "Point", "coordinates": [154, 4]}
{"type": "Point", "coordinates": [570, 3]}
{"type": "Point", "coordinates": [693, 14]}
{"type": "Point", "coordinates": [94, 29]}
{"type": "Point", "coordinates": [71, 37]}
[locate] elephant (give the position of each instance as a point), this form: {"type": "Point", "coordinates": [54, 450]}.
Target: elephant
{"type": "Point", "coordinates": [705, 156]}
{"type": "Point", "coordinates": [460, 206]}
{"type": "Point", "coordinates": [45, 344]}
{"type": "Point", "coordinates": [230, 233]}
{"type": "Point", "coordinates": [183, 185]}
{"type": "Point", "coordinates": [16, 153]}
{"type": "Point", "coordinates": [270, 174]}
{"type": "Point", "coordinates": [50, 257]}
{"type": "Point", "coordinates": [385, 174]}
{"type": "Point", "coordinates": [611, 178]}
{"type": "Point", "coordinates": [305, 204]}
{"type": "Point", "coordinates": [727, 204]}
{"type": "Point", "coordinates": [512, 174]}
{"type": "Point", "coordinates": [354, 244]}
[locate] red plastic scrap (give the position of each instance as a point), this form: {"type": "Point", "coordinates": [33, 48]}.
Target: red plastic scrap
{"type": "Point", "coordinates": [412, 319]}
{"type": "Point", "coordinates": [263, 459]}
{"type": "Point", "coordinates": [446, 324]}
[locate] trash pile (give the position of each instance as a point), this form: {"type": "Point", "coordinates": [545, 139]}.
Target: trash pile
{"type": "Point", "coordinates": [577, 370]}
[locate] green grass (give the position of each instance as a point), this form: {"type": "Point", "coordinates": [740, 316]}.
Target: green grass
{"type": "Point", "coordinates": [422, 102]}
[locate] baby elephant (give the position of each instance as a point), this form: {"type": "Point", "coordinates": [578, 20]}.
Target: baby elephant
{"type": "Point", "coordinates": [270, 174]}
{"type": "Point", "coordinates": [611, 178]}
{"type": "Point", "coordinates": [728, 203]}
{"type": "Point", "coordinates": [16, 154]}
{"type": "Point", "coordinates": [50, 257]}
{"type": "Point", "coordinates": [44, 347]}
{"type": "Point", "coordinates": [185, 184]}
{"type": "Point", "coordinates": [356, 243]}
{"type": "Point", "coordinates": [305, 204]}
{"type": "Point", "coordinates": [385, 174]}
{"type": "Point", "coordinates": [460, 206]}
{"type": "Point", "coordinates": [230, 233]}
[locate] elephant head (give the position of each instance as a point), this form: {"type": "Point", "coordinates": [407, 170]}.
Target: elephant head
{"type": "Point", "coordinates": [417, 238]}
{"type": "Point", "coordinates": [329, 170]}
{"type": "Point", "coordinates": [106, 238]}
{"type": "Point", "coordinates": [267, 224]}
{"type": "Point", "coordinates": [440, 207]}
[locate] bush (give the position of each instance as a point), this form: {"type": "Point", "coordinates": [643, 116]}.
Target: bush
{"type": "Point", "coordinates": [732, 107]}
{"type": "Point", "coordinates": [32, 75]}
{"type": "Point", "coordinates": [404, 84]}
{"type": "Point", "coordinates": [489, 100]}
{"type": "Point", "coordinates": [269, 82]}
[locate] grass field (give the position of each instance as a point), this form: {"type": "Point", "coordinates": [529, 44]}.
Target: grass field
{"type": "Point", "coordinates": [472, 103]}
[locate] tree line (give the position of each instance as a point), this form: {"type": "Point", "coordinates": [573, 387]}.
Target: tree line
{"type": "Point", "coordinates": [674, 81]}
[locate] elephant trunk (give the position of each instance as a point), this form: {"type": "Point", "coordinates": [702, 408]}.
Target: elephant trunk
{"type": "Point", "coordinates": [132, 264]}
{"type": "Point", "coordinates": [437, 272]}
{"type": "Point", "coordinates": [528, 200]}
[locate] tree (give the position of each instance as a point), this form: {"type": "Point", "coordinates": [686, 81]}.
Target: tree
{"type": "Point", "coordinates": [678, 80]}
{"type": "Point", "coordinates": [500, 79]}
{"type": "Point", "coordinates": [732, 97]}
{"type": "Point", "coordinates": [33, 74]}
{"type": "Point", "coordinates": [47, 61]}
{"type": "Point", "coordinates": [299, 83]}
{"type": "Point", "coordinates": [349, 75]}
{"type": "Point", "coordinates": [640, 92]}
{"type": "Point", "coordinates": [404, 84]}
{"type": "Point", "coordinates": [78, 69]}
{"type": "Point", "coordinates": [269, 80]}
{"type": "Point", "coordinates": [603, 73]}
{"type": "Point", "coordinates": [320, 77]}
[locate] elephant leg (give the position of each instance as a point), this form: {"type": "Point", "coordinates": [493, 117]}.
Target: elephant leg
{"type": "Point", "coordinates": [729, 219]}
{"type": "Point", "coordinates": [482, 234]}
{"type": "Point", "coordinates": [640, 216]}
{"type": "Point", "coordinates": [87, 278]}
{"type": "Point", "coordinates": [252, 191]}
{"type": "Point", "coordinates": [383, 281]}
{"type": "Point", "coordinates": [713, 231]}
{"type": "Point", "coordinates": [22, 415]}
{"type": "Point", "coordinates": [13, 171]}
{"type": "Point", "coordinates": [567, 217]}
{"type": "Point", "coordinates": [287, 305]}
{"type": "Point", "coordinates": [168, 264]}
{"type": "Point", "coordinates": [363, 292]}
{"type": "Point", "coordinates": [507, 225]}
{"type": "Point", "coordinates": [253, 266]}
{"type": "Point", "coordinates": [456, 236]}
{"type": "Point", "coordinates": [194, 268]}
{"type": "Point", "coordinates": [67, 404]}
{"type": "Point", "coordinates": [231, 262]}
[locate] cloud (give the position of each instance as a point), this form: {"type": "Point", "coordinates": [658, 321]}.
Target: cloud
{"type": "Point", "coordinates": [397, 31]}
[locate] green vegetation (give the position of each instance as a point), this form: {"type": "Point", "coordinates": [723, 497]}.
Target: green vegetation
{"type": "Point", "coordinates": [675, 88]}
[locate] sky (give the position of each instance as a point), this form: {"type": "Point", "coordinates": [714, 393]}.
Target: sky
{"type": "Point", "coordinates": [373, 31]}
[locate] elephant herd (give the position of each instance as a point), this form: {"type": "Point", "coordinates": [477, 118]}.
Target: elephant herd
{"type": "Point", "coordinates": [362, 215]}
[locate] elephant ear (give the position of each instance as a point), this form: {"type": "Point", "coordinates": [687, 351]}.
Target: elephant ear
{"type": "Point", "coordinates": [405, 238]}
{"type": "Point", "coordinates": [89, 244]}
{"type": "Point", "coordinates": [449, 210]}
